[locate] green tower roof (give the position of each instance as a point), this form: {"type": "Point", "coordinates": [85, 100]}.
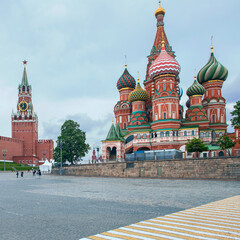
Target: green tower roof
{"type": "Point", "coordinates": [24, 77]}
{"type": "Point", "coordinates": [112, 134]}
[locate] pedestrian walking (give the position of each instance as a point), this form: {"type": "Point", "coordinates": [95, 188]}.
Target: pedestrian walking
{"type": "Point", "coordinates": [21, 174]}
{"type": "Point", "coordinates": [39, 172]}
{"type": "Point", "coordinates": [17, 174]}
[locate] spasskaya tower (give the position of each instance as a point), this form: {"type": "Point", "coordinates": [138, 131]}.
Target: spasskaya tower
{"type": "Point", "coordinates": [25, 127]}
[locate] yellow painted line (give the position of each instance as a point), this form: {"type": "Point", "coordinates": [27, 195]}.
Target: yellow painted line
{"type": "Point", "coordinates": [204, 234]}
{"type": "Point", "coordinates": [197, 223]}
{"type": "Point", "coordinates": [95, 238]}
{"type": "Point", "coordinates": [185, 224]}
{"type": "Point", "coordinates": [176, 235]}
{"type": "Point", "coordinates": [217, 212]}
{"type": "Point", "coordinates": [120, 236]}
{"type": "Point", "coordinates": [217, 215]}
{"type": "Point", "coordinates": [140, 234]}
{"type": "Point", "coordinates": [218, 220]}
{"type": "Point", "coordinates": [207, 218]}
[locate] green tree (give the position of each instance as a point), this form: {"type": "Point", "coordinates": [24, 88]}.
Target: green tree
{"type": "Point", "coordinates": [225, 143]}
{"type": "Point", "coordinates": [74, 145]}
{"type": "Point", "coordinates": [196, 145]}
{"type": "Point", "coordinates": [236, 115]}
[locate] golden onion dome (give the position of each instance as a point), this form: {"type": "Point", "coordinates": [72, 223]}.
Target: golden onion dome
{"type": "Point", "coordinates": [160, 10]}
{"type": "Point", "coordinates": [138, 94]}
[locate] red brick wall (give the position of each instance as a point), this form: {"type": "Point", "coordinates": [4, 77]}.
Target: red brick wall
{"type": "Point", "coordinates": [13, 146]}
{"type": "Point", "coordinates": [45, 147]}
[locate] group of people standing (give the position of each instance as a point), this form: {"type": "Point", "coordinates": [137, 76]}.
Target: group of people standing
{"type": "Point", "coordinates": [34, 171]}
{"type": "Point", "coordinates": [37, 173]}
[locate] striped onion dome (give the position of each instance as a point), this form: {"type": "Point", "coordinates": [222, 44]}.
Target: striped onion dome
{"type": "Point", "coordinates": [126, 80]}
{"type": "Point", "coordinates": [164, 64]}
{"type": "Point", "coordinates": [180, 92]}
{"type": "Point", "coordinates": [138, 94]}
{"type": "Point", "coordinates": [195, 89]}
{"type": "Point", "coordinates": [213, 70]}
{"type": "Point", "coordinates": [188, 103]}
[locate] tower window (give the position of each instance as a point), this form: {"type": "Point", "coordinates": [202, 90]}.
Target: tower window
{"type": "Point", "coordinates": [164, 86]}
{"type": "Point", "coordinates": [213, 119]}
{"type": "Point", "coordinates": [193, 133]}
{"type": "Point", "coordinates": [185, 133]}
{"type": "Point", "coordinates": [162, 134]}
{"type": "Point", "coordinates": [195, 118]}
{"type": "Point", "coordinates": [164, 115]}
{"type": "Point", "coordinates": [167, 134]}
{"type": "Point", "coordinates": [212, 92]}
{"type": "Point", "coordinates": [125, 125]}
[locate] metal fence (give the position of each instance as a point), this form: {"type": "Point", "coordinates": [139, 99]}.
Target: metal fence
{"type": "Point", "coordinates": [154, 155]}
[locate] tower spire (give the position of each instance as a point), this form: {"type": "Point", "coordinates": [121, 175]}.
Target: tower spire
{"type": "Point", "coordinates": [211, 44]}
{"type": "Point", "coordinates": [125, 61]}
{"type": "Point", "coordinates": [24, 77]}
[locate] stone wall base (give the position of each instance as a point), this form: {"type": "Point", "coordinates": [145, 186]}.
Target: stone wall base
{"type": "Point", "coordinates": [211, 168]}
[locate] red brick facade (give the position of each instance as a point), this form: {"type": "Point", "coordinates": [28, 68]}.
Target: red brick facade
{"type": "Point", "coordinates": [24, 146]}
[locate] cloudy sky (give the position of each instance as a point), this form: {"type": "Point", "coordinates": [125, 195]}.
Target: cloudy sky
{"type": "Point", "coordinates": [75, 51]}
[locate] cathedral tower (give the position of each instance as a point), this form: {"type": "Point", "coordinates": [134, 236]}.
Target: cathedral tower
{"type": "Point", "coordinates": [164, 73]}
{"type": "Point", "coordinates": [212, 76]}
{"type": "Point", "coordinates": [122, 110]}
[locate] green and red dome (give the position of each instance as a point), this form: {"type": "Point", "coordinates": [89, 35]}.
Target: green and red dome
{"type": "Point", "coordinates": [138, 94]}
{"type": "Point", "coordinates": [195, 89]}
{"type": "Point", "coordinates": [126, 80]}
{"type": "Point", "coordinates": [213, 70]}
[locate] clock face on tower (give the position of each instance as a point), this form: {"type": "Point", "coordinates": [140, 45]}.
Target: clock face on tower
{"type": "Point", "coordinates": [23, 106]}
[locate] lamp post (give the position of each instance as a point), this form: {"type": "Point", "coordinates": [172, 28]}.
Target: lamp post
{"type": "Point", "coordinates": [4, 155]}
{"type": "Point", "coordinates": [61, 142]}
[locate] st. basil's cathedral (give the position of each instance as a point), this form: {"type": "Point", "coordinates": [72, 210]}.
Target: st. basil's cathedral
{"type": "Point", "coordinates": [152, 118]}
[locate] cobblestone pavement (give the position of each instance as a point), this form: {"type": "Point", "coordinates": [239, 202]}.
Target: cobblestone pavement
{"type": "Point", "coordinates": [55, 207]}
{"type": "Point", "coordinates": [217, 220]}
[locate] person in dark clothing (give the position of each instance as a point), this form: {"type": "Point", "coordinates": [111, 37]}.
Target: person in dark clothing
{"type": "Point", "coordinates": [39, 173]}
{"type": "Point", "coordinates": [17, 174]}
{"type": "Point", "coordinates": [21, 174]}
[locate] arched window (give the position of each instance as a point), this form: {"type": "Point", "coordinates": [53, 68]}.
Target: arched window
{"type": "Point", "coordinates": [161, 134]}
{"type": "Point", "coordinates": [185, 133]}
{"type": "Point", "coordinates": [144, 136]}
{"type": "Point", "coordinates": [213, 119]}
{"type": "Point", "coordinates": [164, 87]}
{"type": "Point", "coordinates": [167, 134]}
{"type": "Point", "coordinates": [138, 136]}
{"type": "Point", "coordinates": [193, 133]}
{"type": "Point", "coordinates": [155, 135]}
{"type": "Point", "coordinates": [173, 133]}
{"type": "Point", "coordinates": [164, 115]}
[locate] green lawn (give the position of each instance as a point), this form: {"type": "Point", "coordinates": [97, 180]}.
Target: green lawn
{"type": "Point", "coordinates": [19, 167]}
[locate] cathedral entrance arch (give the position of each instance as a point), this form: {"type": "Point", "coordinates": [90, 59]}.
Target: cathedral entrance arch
{"type": "Point", "coordinates": [130, 150]}
{"type": "Point", "coordinates": [221, 154]}
{"type": "Point", "coordinates": [143, 149]}
{"type": "Point", "coordinates": [113, 154]}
